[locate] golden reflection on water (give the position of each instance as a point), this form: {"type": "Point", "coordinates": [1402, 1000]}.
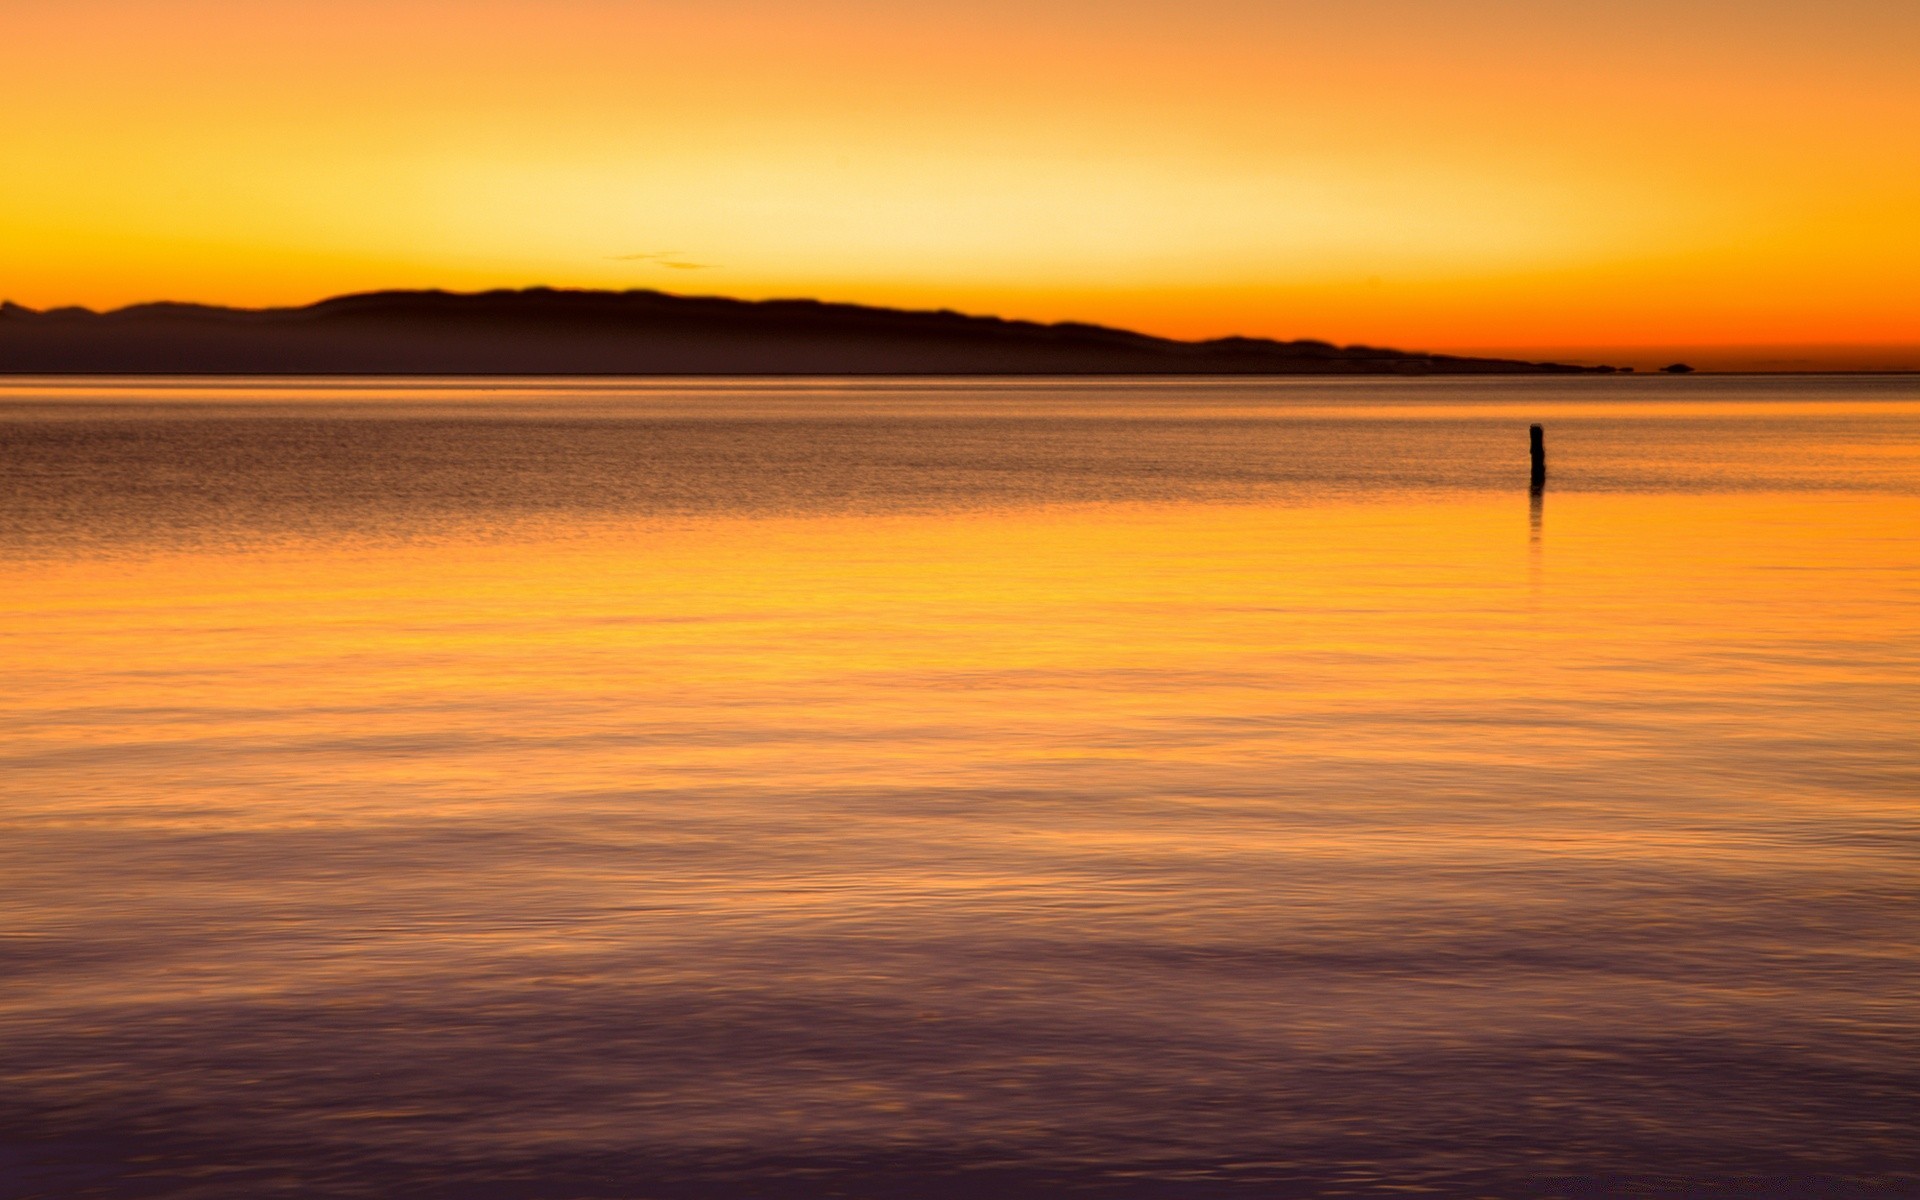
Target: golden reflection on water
{"type": "Point", "coordinates": [892, 650]}
{"type": "Point", "coordinates": [1199, 832]}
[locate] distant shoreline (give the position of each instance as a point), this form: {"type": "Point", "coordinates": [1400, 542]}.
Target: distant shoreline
{"type": "Point", "coordinates": [545, 332]}
{"type": "Point", "coordinates": [7, 374]}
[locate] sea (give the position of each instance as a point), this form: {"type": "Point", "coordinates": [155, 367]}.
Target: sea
{"type": "Point", "coordinates": [611, 789]}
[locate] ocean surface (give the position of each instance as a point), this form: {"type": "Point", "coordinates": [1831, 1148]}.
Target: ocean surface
{"type": "Point", "coordinates": [895, 789]}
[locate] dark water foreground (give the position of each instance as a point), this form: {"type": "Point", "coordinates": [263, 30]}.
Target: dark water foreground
{"type": "Point", "coordinates": [1124, 790]}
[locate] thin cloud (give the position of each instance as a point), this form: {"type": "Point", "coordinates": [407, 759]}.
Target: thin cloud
{"type": "Point", "coordinates": [662, 258]}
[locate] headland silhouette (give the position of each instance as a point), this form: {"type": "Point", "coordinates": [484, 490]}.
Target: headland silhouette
{"type": "Point", "coordinates": [548, 331]}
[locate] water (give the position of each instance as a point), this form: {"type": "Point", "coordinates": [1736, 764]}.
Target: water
{"type": "Point", "coordinates": [1197, 789]}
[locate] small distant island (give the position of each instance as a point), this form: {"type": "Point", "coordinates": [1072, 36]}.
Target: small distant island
{"type": "Point", "coordinates": [549, 331]}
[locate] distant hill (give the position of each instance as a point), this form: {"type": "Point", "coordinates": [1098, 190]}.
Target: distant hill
{"type": "Point", "coordinates": [545, 331]}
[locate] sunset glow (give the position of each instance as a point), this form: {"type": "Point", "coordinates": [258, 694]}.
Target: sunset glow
{"type": "Point", "coordinates": [1469, 175]}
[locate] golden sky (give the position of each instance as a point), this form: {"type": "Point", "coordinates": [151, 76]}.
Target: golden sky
{"type": "Point", "coordinates": [1480, 173]}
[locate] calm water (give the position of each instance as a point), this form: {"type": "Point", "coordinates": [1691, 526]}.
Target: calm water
{"type": "Point", "coordinates": [1208, 789]}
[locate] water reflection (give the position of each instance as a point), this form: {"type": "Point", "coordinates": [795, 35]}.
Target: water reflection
{"type": "Point", "coordinates": [529, 805]}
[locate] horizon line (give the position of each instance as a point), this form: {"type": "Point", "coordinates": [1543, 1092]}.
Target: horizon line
{"type": "Point", "coordinates": [1772, 356]}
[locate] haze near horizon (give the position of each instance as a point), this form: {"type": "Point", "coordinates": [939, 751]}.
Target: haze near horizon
{"type": "Point", "coordinates": [1585, 181]}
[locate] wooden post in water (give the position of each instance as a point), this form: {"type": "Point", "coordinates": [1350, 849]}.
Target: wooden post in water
{"type": "Point", "coordinates": [1537, 439]}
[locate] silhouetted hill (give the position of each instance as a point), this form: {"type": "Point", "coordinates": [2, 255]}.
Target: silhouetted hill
{"type": "Point", "coordinates": [544, 331]}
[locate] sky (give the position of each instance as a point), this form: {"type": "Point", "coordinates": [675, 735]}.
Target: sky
{"type": "Point", "coordinates": [1594, 178]}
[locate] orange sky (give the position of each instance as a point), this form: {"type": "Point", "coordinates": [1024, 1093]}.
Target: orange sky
{"type": "Point", "coordinates": [1480, 173]}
